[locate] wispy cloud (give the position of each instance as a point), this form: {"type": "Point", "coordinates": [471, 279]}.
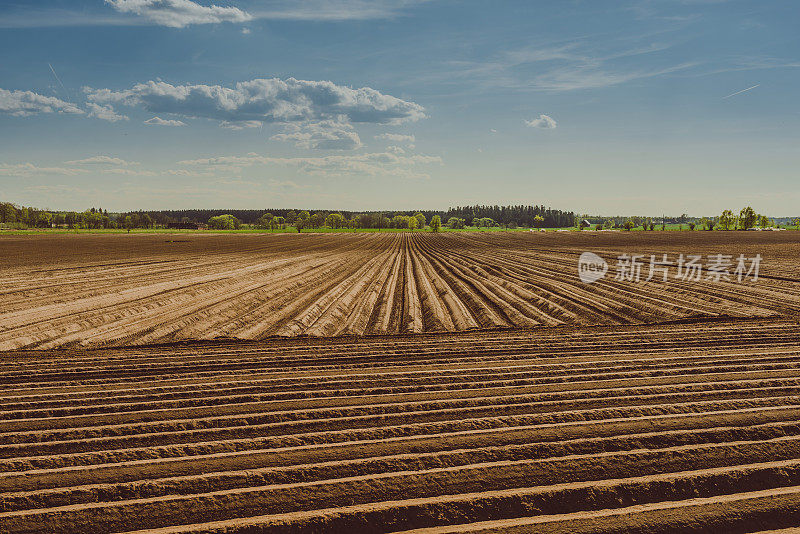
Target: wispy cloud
{"type": "Point", "coordinates": [397, 138]}
{"type": "Point", "coordinates": [24, 170]}
{"type": "Point", "coordinates": [375, 164]}
{"type": "Point", "coordinates": [322, 135]}
{"type": "Point", "coordinates": [179, 13]}
{"type": "Point", "coordinates": [572, 65]}
{"type": "Point", "coordinates": [183, 13]}
{"type": "Point", "coordinates": [101, 160]}
{"type": "Point", "coordinates": [742, 91]}
{"type": "Point", "coordinates": [590, 77]}
{"type": "Point", "coordinates": [336, 10]}
{"type": "Point", "coordinates": [158, 121]}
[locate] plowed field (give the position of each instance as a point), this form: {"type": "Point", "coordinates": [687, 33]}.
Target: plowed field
{"type": "Point", "coordinates": [659, 428]}
{"type": "Point", "coordinates": [417, 383]}
{"type": "Point", "coordinates": [101, 290]}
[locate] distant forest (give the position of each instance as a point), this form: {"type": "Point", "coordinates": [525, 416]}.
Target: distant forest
{"type": "Point", "coordinates": [521, 216]}
{"type": "Point", "coordinates": [15, 216]}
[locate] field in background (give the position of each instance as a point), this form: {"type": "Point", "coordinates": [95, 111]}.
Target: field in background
{"type": "Point", "coordinates": [325, 230]}
{"type": "Point", "coordinates": [152, 288]}
{"type": "Point", "coordinates": [424, 383]}
{"type": "Point", "coordinates": [649, 429]}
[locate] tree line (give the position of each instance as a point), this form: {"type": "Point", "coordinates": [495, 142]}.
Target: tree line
{"type": "Point", "coordinates": [15, 216]}
{"type": "Point", "coordinates": [746, 219]}
{"type": "Point", "coordinates": [506, 216]}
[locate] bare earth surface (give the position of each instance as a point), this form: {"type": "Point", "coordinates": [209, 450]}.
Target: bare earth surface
{"type": "Point", "coordinates": [101, 290]}
{"type": "Point", "coordinates": [369, 383]}
{"type": "Point", "coordinates": [660, 428]}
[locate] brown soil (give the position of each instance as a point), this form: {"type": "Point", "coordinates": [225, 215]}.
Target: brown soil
{"type": "Point", "coordinates": [102, 290]}
{"type": "Point", "coordinates": [427, 384]}
{"type": "Point", "coordinates": [633, 428]}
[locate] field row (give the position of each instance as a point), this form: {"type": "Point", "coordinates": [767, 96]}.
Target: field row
{"type": "Point", "coordinates": [653, 428]}
{"type": "Point", "coordinates": [143, 289]}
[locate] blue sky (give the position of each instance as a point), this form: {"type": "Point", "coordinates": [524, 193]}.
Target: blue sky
{"type": "Point", "coordinates": [641, 106]}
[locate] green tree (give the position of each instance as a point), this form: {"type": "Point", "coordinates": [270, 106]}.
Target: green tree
{"type": "Point", "coordinates": [421, 221]}
{"type": "Point", "coordinates": [8, 213]}
{"type": "Point", "coordinates": [629, 225]}
{"type": "Point", "coordinates": [436, 223]}
{"type": "Point", "coordinates": [412, 223]}
{"type": "Point", "coordinates": [692, 225]}
{"type": "Point", "coordinates": [726, 220]}
{"type": "Point", "coordinates": [265, 221]}
{"type": "Point", "coordinates": [224, 222]}
{"type": "Point", "coordinates": [763, 221]}
{"type": "Point", "coordinates": [400, 221]}
{"type": "Point", "coordinates": [747, 218]}
{"type": "Point", "coordinates": [128, 224]}
{"type": "Point", "coordinates": [455, 223]}
{"type": "Point", "coordinates": [538, 221]}
{"type": "Point", "coordinates": [44, 219]}
{"type": "Point", "coordinates": [334, 220]}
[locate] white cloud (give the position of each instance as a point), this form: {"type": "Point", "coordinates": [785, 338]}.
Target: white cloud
{"type": "Point", "coordinates": [397, 138]}
{"type": "Point", "coordinates": [158, 121]}
{"type": "Point", "coordinates": [179, 13]}
{"type": "Point", "coordinates": [240, 125]}
{"type": "Point", "coordinates": [24, 103]}
{"type": "Point", "coordinates": [29, 169]}
{"type": "Point", "coordinates": [383, 164]}
{"type": "Point", "coordinates": [395, 150]}
{"type": "Point", "coordinates": [129, 172]}
{"type": "Point", "coordinates": [101, 160]}
{"type": "Point", "coordinates": [105, 113]}
{"type": "Point", "coordinates": [286, 184]}
{"type": "Point", "coordinates": [323, 135]}
{"type": "Point", "coordinates": [189, 173]}
{"type": "Point", "coordinates": [267, 100]}
{"type": "Point", "coordinates": [335, 10]}
{"type": "Point", "coordinates": [544, 122]}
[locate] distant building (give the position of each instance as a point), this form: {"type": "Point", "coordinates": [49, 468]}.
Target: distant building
{"type": "Point", "coordinates": [585, 224]}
